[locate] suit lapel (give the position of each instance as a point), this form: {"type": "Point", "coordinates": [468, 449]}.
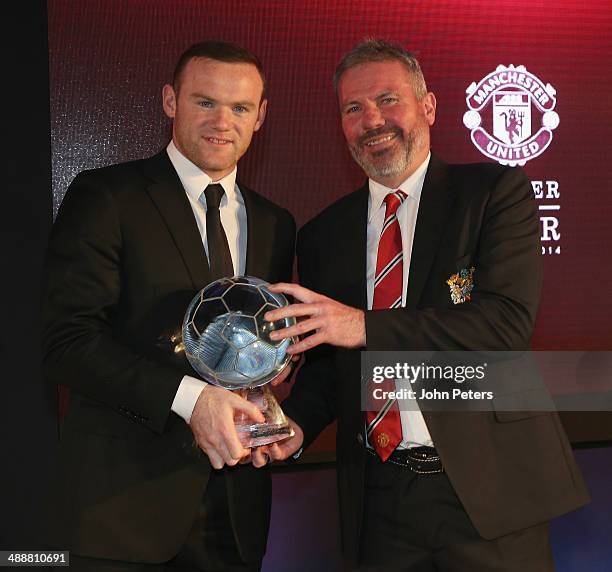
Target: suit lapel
{"type": "Point", "coordinates": [168, 194]}
{"type": "Point", "coordinates": [434, 210]}
{"type": "Point", "coordinates": [351, 243]}
{"type": "Point", "coordinates": [260, 235]}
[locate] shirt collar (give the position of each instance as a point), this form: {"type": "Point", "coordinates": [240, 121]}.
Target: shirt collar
{"type": "Point", "coordinates": [195, 180]}
{"type": "Point", "coordinates": [412, 186]}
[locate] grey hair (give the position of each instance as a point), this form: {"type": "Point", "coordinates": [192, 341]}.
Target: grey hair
{"type": "Point", "coordinates": [376, 50]}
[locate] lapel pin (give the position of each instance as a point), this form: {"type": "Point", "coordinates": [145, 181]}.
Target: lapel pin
{"type": "Point", "coordinates": [461, 285]}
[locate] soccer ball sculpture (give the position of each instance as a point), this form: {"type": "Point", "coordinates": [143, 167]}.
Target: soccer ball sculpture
{"type": "Point", "coordinates": [227, 342]}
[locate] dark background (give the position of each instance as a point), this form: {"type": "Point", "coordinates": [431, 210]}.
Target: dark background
{"type": "Point", "coordinates": [27, 422]}
{"type": "Point", "coordinates": [101, 104]}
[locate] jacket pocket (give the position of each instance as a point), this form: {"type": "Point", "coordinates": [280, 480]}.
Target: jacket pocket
{"type": "Point", "coordinates": [511, 416]}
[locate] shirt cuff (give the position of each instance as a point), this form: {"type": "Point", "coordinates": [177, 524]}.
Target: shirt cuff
{"type": "Point", "coordinates": [186, 396]}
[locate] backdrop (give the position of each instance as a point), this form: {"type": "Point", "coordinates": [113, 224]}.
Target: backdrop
{"type": "Point", "coordinates": [516, 81]}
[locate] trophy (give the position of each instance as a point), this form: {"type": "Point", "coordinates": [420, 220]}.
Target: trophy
{"type": "Point", "coordinates": [227, 341]}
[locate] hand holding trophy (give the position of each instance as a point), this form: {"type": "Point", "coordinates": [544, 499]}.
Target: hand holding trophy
{"type": "Point", "coordinates": [227, 342]}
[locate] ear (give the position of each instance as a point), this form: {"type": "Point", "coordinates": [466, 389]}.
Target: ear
{"type": "Point", "coordinates": [429, 108]}
{"type": "Point", "coordinates": [261, 114]}
{"type": "Point", "coordinates": [169, 100]}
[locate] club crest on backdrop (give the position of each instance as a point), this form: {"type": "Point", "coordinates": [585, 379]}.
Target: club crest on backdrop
{"type": "Point", "coordinates": [506, 132]}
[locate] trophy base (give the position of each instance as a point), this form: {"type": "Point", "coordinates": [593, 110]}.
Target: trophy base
{"type": "Point", "coordinates": [275, 428]}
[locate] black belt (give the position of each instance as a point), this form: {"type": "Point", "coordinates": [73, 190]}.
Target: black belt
{"type": "Point", "coordinates": [420, 460]}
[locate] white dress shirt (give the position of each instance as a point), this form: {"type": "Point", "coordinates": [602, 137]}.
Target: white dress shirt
{"type": "Point", "coordinates": [414, 429]}
{"type": "Point", "coordinates": [234, 220]}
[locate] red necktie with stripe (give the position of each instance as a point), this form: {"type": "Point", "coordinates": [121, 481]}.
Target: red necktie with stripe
{"type": "Point", "coordinates": [384, 429]}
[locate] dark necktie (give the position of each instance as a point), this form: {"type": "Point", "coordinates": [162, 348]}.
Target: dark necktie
{"type": "Point", "coordinates": [384, 427]}
{"type": "Point", "coordinates": [219, 256]}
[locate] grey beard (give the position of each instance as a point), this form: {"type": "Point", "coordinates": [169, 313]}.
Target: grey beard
{"type": "Point", "coordinates": [397, 163]}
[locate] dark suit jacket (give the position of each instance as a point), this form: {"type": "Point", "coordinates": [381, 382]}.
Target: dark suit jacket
{"type": "Point", "coordinates": [125, 259]}
{"type": "Point", "coordinates": [510, 469]}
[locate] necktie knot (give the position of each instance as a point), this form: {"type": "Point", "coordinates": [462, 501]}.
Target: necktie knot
{"type": "Point", "coordinates": [213, 194]}
{"type": "Point", "coordinates": [393, 201]}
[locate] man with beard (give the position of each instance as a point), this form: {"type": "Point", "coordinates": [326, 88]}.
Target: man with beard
{"type": "Point", "coordinates": [425, 256]}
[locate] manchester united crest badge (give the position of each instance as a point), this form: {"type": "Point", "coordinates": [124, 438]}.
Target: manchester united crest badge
{"type": "Point", "coordinates": [500, 118]}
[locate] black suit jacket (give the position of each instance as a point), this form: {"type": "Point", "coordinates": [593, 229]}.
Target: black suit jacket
{"type": "Point", "coordinates": [124, 260]}
{"type": "Point", "coordinates": [510, 469]}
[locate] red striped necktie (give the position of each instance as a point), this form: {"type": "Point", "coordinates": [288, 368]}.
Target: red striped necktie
{"type": "Point", "coordinates": [384, 429]}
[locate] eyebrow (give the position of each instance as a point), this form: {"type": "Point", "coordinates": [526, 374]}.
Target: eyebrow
{"type": "Point", "coordinates": [386, 93]}
{"type": "Point", "coordinates": [247, 104]}
{"type": "Point", "coordinates": [379, 96]}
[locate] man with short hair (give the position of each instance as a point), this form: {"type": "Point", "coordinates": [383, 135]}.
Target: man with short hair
{"type": "Point", "coordinates": [380, 270]}
{"type": "Point", "coordinates": [149, 455]}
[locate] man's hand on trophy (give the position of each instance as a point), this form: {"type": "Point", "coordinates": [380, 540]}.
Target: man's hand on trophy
{"type": "Point", "coordinates": [212, 423]}
{"type": "Point", "coordinates": [326, 320]}
{"type": "Point", "coordinates": [280, 450]}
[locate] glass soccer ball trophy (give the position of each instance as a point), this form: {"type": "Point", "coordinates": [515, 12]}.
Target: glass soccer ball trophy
{"type": "Point", "coordinates": [227, 341]}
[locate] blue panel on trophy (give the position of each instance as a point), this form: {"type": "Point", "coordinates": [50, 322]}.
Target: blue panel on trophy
{"type": "Point", "coordinates": [257, 359]}
{"type": "Point", "coordinates": [239, 330]}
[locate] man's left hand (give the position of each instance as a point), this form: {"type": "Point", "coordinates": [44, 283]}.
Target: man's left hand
{"type": "Point", "coordinates": [332, 322]}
